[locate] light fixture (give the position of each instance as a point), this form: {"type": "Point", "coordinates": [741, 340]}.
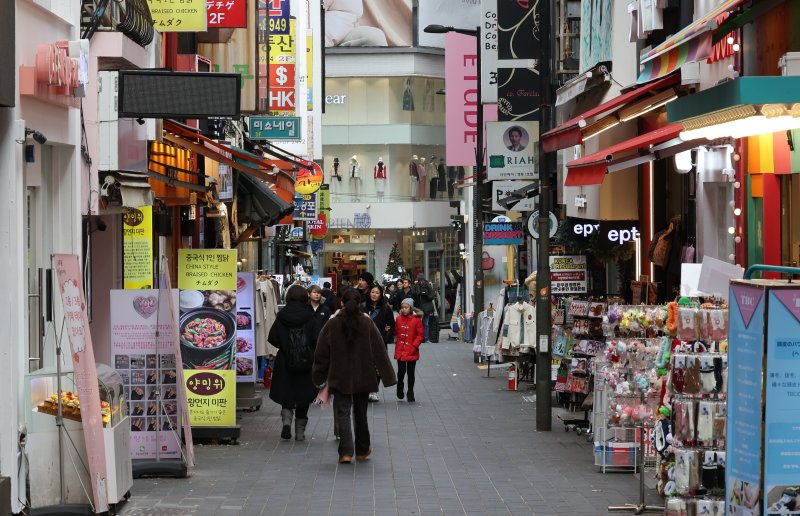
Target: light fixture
{"type": "Point", "coordinates": [737, 211]}
{"type": "Point", "coordinates": [737, 184]}
{"type": "Point", "coordinates": [736, 47]}
{"type": "Point", "coordinates": [646, 105]}
{"type": "Point", "coordinates": [737, 239]}
{"type": "Point", "coordinates": [37, 136]}
{"type": "Point", "coordinates": [730, 40]}
{"type": "Point", "coordinates": [742, 121]}
{"type": "Point", "coordinates": [731, 230]}
{"type": "Point", "coordinates": [602, 125]}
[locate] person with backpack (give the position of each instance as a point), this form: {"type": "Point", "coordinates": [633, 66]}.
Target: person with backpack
{"type": "Point", "coordinates": [377, 308]}
{"type": "Point", "coordinates": [408, 332]}
{"type": "Point", "coordinates": [294, 333]}
{"type": "Point", "coordinates": [349, 352]}
{"type": "Point", "coordinates": [424, 296]}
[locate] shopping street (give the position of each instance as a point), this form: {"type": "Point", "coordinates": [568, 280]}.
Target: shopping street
{"type": "Point", "coordinates": [467, 446]}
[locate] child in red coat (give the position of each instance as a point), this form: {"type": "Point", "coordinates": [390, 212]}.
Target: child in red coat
{"type": "Point", "coordinates": [409, 332]}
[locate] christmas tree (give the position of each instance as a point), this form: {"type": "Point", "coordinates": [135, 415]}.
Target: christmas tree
{"type": "Point", "coordinates": [394, 266]}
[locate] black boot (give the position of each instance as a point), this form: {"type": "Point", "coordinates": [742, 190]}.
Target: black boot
{"type": "Point", "coordinates": [300, 429]}
{"type": "Point", "coordinates": [286, 420]}
{"type": "Point", "coordinates": [411, 396]}
{"type": "Point", "coordinates": [400, 394]}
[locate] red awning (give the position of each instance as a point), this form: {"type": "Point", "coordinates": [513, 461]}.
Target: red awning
{"type": "Point", "coordinates": [591, 169]}
{"type": "Point", "coordinates": [569, 133]}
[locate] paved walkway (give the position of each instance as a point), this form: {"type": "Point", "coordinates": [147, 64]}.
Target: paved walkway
{"type": "Point", "coordinates": [468, 446]}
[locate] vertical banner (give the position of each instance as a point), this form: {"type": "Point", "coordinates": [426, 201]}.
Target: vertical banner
{"type": "Point", "coordinates": [145, 357]}
{"type": "Point", "coordinates": [745, 365]}
{"type": "Point", "coordinates": [70, 286]}
{"type": "Point", "coordinates": [245, 327]}
{"type": "Point", "coordinates": [137, 247]}
{"type": "Point", "coordinates": [518, 30]}
{"type": "Point", "coordinates": [207, 325]}
{"type": "Point", "coordinates": [782, 396]}
{"type": "Point", "coordinates": [461, 102]}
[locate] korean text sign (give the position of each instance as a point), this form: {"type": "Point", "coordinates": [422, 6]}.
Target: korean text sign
{"type": "Point", "coordinates": [568, 274]}
{"type": "Point", "coordinates": [137, 247]}
{"type": "Point", "coordinates": [227, 14]}
{"type": "Point", "coordinates": [183, 16]}
{"type": "Point", "coordinates": [212, 398]}
{"type": "Point", "coordinates": [206, 269]}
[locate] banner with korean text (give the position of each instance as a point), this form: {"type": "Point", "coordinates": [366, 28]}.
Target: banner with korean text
{"type": "Point", "coordinates": [137, 247]}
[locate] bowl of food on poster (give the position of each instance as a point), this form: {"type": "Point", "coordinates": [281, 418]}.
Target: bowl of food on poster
{"type": "Point", "coordinates": [207, 336]}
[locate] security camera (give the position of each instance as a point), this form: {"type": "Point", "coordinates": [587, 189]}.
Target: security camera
{"type": "Point", "coordinates": [140, 121]}
{"type": "Point", "coordinates": [37, 136]}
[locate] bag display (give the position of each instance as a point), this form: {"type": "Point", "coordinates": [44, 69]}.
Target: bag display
{"type": "Point", "coordinates": [299, 356]}
{"type": "Point", "coordinates": [487, 263]}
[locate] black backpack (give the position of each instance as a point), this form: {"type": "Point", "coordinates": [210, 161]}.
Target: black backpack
{"type": "Point", "coordinates": [298, 353]}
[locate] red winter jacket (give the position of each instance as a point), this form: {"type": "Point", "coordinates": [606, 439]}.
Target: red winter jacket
{"type": "Point", "coordinates": [408, 331]}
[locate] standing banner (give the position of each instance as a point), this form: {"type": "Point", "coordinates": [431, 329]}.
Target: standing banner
{"type": "Point", "coordinates": [207, 325]}
{"type": "Point", "coordinates": [513, 150]}
{"type": "Point", "coordinates": [137, 247]}
{"type": "Point", "coordinates": [144, 355]}
{"type": "Point", "coordinates": [245, 327]}
{"type": "Point", "coordinates": [186, 16]}
{"type": "Point", "coordinates": [568, 274]}
{"type": "Point", "coordinates": [70, 286]}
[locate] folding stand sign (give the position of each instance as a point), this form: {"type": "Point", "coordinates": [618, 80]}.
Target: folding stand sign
{"type": "Point", "coordinates": [246, 367]}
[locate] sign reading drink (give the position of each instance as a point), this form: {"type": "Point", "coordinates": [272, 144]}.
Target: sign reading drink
{"type": "Point", "coordinates": [503, 233]}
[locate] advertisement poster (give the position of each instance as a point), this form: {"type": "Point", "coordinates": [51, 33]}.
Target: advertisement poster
{"type": "Point", "coordinates": [207, 280]}
{"type": "Point", "coordinates": [504, 189]}
{"type": "Point", "coordinates": [568, 274]}
{"type": "Point", "coordinates": [512, 148]}
{"type": "Point", "coordinates": [454, 13]}
{"type": "Point", "coordinates": [245, 327]}
{"type": "Point", "coordinates": [516, 23]}
{"type": "Point", "coordinates": [226, 14]}
{"type": "Point", "coordinates": [137, 247]}
{"type": "Point", "coordinates": [520, 93]}
{"type": "Point", "coordinates": [781, 442]}
{"type": "Point", "coordinates": [503, 233]}
{"type": "Point", "coordinates": [70, 286]}
{"type": "Point", "coordinates": [368, 23]}
{"type": "Point", "coordinates": [745, 363]}
{"type": "Point", "coordinates": [186, 16]}
{"type": "Point", "coordinates": [147, 365]}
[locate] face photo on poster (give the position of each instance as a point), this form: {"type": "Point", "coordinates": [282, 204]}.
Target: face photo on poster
{"type": "Point", "coordinates": [512, 150]}
{"type": "Point", "coordinates": [368, 23]}
{"type": "Point", "coordinates": [518, 94]}
{"type": "Point", "coordinates": [516, 138]}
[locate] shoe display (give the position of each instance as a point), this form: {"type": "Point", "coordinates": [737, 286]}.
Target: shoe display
{"type": "Point", "coordinates": [364, 456]}
{"type": "Point", "coordinates": [373, 397]}
{"type": "Point", "coordinates": [345, 459]}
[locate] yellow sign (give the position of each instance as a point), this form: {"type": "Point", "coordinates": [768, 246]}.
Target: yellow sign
{"type": "Point", "coordinates": [212, 397]}
{"type": "Point", "coordinates": [206, 269]}
{"type": "Point", "coordinates": [182, 16]}
{"type": "Point", "coordinates": [137, 247]}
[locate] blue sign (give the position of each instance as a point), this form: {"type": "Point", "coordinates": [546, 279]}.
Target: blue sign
{"type": "Point", "coordinates": [305, 207]}
{"type": "Point", "coordinates": [745, 365]}
{"type": "Point", "coordinates": [279, 12]}
{"type": "Point", "coordinates": [782, 415]}
{"type": "Point", "coordinates": [275, 128]}
{"type": "Point", "coordinates": [503, 233]}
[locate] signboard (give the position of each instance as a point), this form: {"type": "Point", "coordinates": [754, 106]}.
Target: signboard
{"type": "Point", "coordinates": [186, 16]}
{"type": "Point", "coordinates": [278, 12]}
{"type": "Point", "coordinates": [207, 280]}
{"type": "Point", "coordinates": [275, 128]}
{"type": "Point", "coordinates": [137, 247]}
{"type": "Point", "coordinates": [533, 224]}
{"type": "Point", "coordinates": [309, 181]}
{"type": "Point", "coordinates": [368, 24]}
{"type": "Point", "coordinates": [226, 14]}
{"type": "Point", "coordinates": [568, 274]}
{"type": "Point", "coordinates": [512, 149]}
{"type": "Point", "coordinates": [282, 77]}
{"type": "Point", "coordinates": [76, 326]}
{"type": "Point", "coordinates": [615, 231]}
{"type": "Point", "coordinates": [245, 327]}
{"type": "Point", "coordinates": [504, 189]}
{"type": "Point", "coordinates": [745, 364]}
{"type": "Point", "coordinates": [503, 233]}
{"type": "Point", "coordinates": [305, 207]}
{"type": "Point", "coordinates": [318, 228]}
{"type": "Point", "coordinates": [519, 92]}
{"type": "Point", "coordinates": [145, 358]}
{"type": "Point", "coordinates": [461, 103]}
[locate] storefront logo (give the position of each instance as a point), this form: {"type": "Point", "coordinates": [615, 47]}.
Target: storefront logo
{"type": "Point", "coordinates": [335, 99]}
{"type": "Point", "coordinates": [615, 231]}
{"type": "Point", "coordinates": [206, 384]}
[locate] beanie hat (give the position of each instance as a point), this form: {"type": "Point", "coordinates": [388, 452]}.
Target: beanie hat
{"type": "Point", "coordinates": [420, 277]}
{"type": "Point", "coordinates": [407, 301]}
{"type": "Point", "coordinates": [368, 277]}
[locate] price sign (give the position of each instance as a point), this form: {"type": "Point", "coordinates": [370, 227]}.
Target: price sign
{"type": "Point", "coordinates": [275, 128]}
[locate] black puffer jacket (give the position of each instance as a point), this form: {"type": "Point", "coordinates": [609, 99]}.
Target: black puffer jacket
{"type": "Point", "coordinates": [382, 315]}
{"type": "Point", "coordinates": [292, 389]}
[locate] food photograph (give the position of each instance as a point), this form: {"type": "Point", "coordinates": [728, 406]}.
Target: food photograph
{"type": "Point", "coordinates": [207, 328]}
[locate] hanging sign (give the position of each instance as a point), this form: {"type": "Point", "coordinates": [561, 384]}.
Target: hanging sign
{"type": "Point", "coordinates": [227, 14]}
{"type": "Point", "coordinates": [503, 233]}
{"type": "Point", "coordinates": [275, 128]}
{"type": "Point", "coordinates": [568, 274]}
{"type": "Point", "coordinates": [309, 181]}
{"type": "Point", "coordinates": [186, 16]}
{"type": "Point", "coordinates": [305, 207]}
{"type": "Point", "coordinates": [512, 150]}
{"type": "Point", "coordinates": [137, 247]}
{"type": "Point", "coordinates": [533, 224]}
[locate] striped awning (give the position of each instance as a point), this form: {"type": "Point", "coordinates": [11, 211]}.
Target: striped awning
{"type": "Point", "coordinates": [774, 153]}
{"type": "Point", "coordinates": [693, 43]}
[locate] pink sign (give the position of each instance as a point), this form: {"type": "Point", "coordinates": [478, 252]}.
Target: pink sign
{"type": "Point", "coordinates": [461, 101]}
{"type": "Point", "coordinates": [70, 284]}
{"type": "Point", "coordinates": [791, 300]}
{"type": "Point", "coordinates": [747, 299]}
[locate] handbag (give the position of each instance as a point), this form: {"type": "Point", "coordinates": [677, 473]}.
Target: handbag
{"type": "Point", "coordinates": [487, 262]}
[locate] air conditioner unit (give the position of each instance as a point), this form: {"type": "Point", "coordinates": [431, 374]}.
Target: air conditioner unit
{"type": "Point", "coordinates": [121, 142]}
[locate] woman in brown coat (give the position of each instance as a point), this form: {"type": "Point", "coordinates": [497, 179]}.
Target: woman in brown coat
{"type": "Point", "coordinates": [349, 351]}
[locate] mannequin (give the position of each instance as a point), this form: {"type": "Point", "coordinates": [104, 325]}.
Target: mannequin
{"type": "Point", "coordinates": [336, 171]}
{"type": "Point", "coordinates": [354, 178]}
{"type": "Point", "coordinates": [431, 171]}
{"type": "Point", "coordinates": [413, 173]}
{"type": "Point", "coordinates": [379, 173]}
{"type": "Point", "coordinates": [453, 174]}
{"type": "Point", "coordinates": [422, 174]}
{"type": "Point", "coordinates": [441, 172]}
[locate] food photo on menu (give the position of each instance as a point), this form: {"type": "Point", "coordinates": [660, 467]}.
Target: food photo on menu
{"type": "Point", "coordinates": [207, 329]}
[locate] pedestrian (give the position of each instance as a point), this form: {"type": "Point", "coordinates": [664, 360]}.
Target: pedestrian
{"type": "Point", "coordinates": [391, 288]}
{"type": "Point", "coordinates": [294, 333]}
{"type": "Point", "coordinates": [403, 292]}
{"type": "Point", "coordinates": [377, 308]}
{"type": "Point", "coordinates": [408, 331]}
{"type": "Point", "coordinates": [331, 300]}
{"type": "Point", "coordinates": [349, 352]}
{"type": "Point", "coordinates": [315, 302]}
{"type": "Point", "coordinates": [424, 296]}
{"type": "Point", "coordinates": [365, 282]}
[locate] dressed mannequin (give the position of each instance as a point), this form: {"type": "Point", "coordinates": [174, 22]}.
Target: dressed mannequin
{"type": "Point", "coordinates": [413, 173]}
{"type": "Point", "coordinates": [453, 174]}
{"type": "Point", "coordinates": [336, 171]}
{"type": "Point", "coordinates": [423, 185]}
{"type": "Point", "coordinates": [379, 173]}
{"type": "Point", "coordinates": [354, 178]}
{"type": "Point", "coordinates": [431, 171]}
{"type": "Point", "coordinates": [441, 172]}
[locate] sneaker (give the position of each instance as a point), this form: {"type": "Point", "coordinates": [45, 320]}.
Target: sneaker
{"type": "Point", "coordinates": [373, 397]}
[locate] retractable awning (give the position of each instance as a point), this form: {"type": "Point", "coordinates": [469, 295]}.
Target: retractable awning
{"type": "Point", "coordinates": [634, 102]}
{"type": "Point", "coordinates": [257, 204]}
{"type": "Point", "coordinates": [592, 169]}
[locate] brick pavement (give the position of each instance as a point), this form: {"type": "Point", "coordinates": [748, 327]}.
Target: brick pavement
{"type": "Point", "coordinates": [467, 446]}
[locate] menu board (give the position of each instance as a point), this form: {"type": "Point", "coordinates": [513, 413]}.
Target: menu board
{"type": "Point", "coordinates": [245, 327]}
{"type": "Point", "coordinates": [143, 354]}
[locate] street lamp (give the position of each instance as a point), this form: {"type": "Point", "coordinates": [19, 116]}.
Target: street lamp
{"type": "Point", "coordinates": [477, 198]}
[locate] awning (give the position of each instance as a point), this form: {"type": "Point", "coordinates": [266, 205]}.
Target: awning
{"type": "Point", "coordinates": [572, 132]}
{"type": "Point", "coordinates": [774, 153]}
{"type": "Point", "coordinates": [125, 189]}
{"type": "Point", "coordinates": [591, 169]}
{"type": "Point", "coordinates": [693, 43]}
{"type": "Point", "coordinates": [589, 79]}
{"type": "Point", "coordinates": [257, 204]}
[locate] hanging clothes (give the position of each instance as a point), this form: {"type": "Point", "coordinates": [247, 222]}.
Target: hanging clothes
{"type": "Point", "coordinates": [486, 335]}
{"type": "Point", "coordinates": [266, 313]}
{"type": "Point", "coordinates": [519, 327]}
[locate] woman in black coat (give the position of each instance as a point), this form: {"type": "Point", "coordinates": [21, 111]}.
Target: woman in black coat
{"type": "Point", "coordinates": [378, 309]}
{"type": "Point", "coordinates": [294, 391]}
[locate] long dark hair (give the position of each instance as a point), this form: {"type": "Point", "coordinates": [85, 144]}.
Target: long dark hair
{"type": "Point", "coordinates": [351, 300]}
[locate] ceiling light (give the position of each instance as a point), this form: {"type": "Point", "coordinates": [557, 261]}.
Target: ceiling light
{"type": "Point", "coordinates": [731, 230]}
{"type": "Point", "coordinates": [730, 40]}
{"type": "Point", "coordinates": [737, 211]}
